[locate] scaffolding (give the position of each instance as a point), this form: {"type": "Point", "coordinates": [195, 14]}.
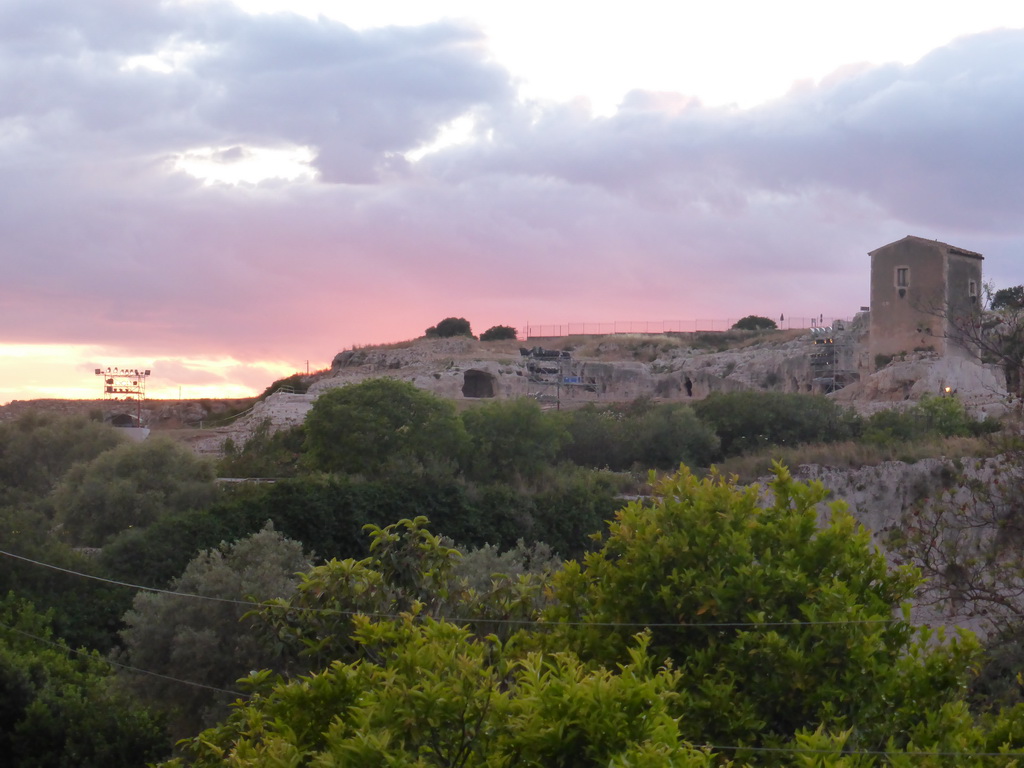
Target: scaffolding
{"type": "Point", "coordinates": [551, 373]}
{"type": "Point", "coordinates": [125, 384]}
{"type": "Point", "coordinates": [828, 358]}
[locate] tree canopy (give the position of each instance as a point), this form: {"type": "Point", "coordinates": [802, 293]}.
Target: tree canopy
{"type": "Point", "coordinates": [450, 326]}
{"type": "Point", "coordinates": [498, 333]}
{"type": "Point", "coordinates": [713, 626]}
{"type": "Point", "coordinates": [60, 707]}
{"type": "Point", "coordinates": [754, 323]}
{"type": "Point", "coordinates": [380, 426]}
{"type": "Point", "coordinates": [1009, 298]}
{"type": "Point", "coordinates": [131, 486]}
{"type": "Point", "coordinates": [162, 629]}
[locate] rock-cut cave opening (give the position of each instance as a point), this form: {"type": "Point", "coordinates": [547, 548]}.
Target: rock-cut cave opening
{"type": "Point", "coordinates": [477, 384]}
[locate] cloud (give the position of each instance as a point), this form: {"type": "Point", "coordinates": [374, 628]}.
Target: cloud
{"type": "Point", "coordinates": [667, 209]}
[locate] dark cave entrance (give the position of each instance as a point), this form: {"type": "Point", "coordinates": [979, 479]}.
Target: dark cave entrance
{"type": "Point", "coordinates": [477, 384]}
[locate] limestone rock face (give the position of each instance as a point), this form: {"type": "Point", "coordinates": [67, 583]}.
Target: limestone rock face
{"type": "Point", "coordinates": [883, 497]}
{"type": "Point", "coordinates": [980, 387]}
{"type": "Point", "coordinates": [606, 371]}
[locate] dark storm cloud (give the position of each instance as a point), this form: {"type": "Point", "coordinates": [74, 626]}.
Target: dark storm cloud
{"type": "Point", "coordinates": [275, 80]}
{"type": "Point", "coordinates": [666, 209]}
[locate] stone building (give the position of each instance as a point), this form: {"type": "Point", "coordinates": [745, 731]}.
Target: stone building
{"type": "Point", "coordinates": [919, 288]}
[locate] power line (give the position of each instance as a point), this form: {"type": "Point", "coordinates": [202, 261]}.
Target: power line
{"type": "Point", "coordinates": [710, 747]}
{"type": "Point", "coordinates": [843, 753]}
{"type": "Point", "coordinates": [112, 663]}
{"type": "Point", "coordinates": [120, 583]}
{"type": "Point", "coordinates": [461, 619]}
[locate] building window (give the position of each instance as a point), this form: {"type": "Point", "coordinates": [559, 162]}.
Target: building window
{"type": "Point", "coordinates": [902, 277]}
{"type": "Point", "coordinates": [972, 288]}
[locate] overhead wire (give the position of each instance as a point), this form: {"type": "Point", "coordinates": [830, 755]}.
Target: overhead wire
{"type": "Point", "coordinates": [252, 604]}
{"type": "Point", "coordinates": [460, 619]}
{"type": "Point", "coordinates": [796, 750]}
{"type": "Point", "coordinates": [112, 663]}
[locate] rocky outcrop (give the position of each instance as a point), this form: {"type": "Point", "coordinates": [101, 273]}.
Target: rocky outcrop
{"type": "Point", "coordinates": [885, 498]}
{"type": "Point", "coordinates": [463, 368]}
{"type": "Point", "coordinates": [980, 387]}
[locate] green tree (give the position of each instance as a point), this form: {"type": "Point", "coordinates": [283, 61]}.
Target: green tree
{"type": "Point", "coordinates": [131, 486]}
{"type": "Point", "coordinates": [208, 639]}
{"type": "Point", "coordinates": [430, 694]}
{"type": "Point", "coordinates": [666, 435]}
{"type": "Point", "coordinates": [775, 639]}
{"type": "Point", "coordinates": [60, 707]}
{"type": "Point", "coordinates": [266, 453]}
{"type": "Point", "coordinates": [38, 449]}
{"type": "Point", "coordinates": [509, 440]}
{"type": "Point", "coordinates": [776, 625]}
{"type": "Point", "coordinates": [450, 326]}
{"type": "Point", "coordinates": [380, 426]}
{"type": "Point", "coordinates": [746, 421]}
{"type": "Point", "coordinates": [1009, 298]}
{"type": "Point", "coordinates": [645, 435]}
{"type": "Point", "coordinates": [754, 323]}
{"type": "Point", "coordinates": [498, 333]}
{"type": "Point", "coordinates": [572, 508]}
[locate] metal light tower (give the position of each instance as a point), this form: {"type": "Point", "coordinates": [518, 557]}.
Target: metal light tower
{"type": "Point", "coordinates": [126, 383]}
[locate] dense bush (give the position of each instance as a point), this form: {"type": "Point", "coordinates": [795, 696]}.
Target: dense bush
{"type": "Point", "coordinates": [510, 439]}
{"type": "Point", "coordinates": [60, 707]}
{"type": "Point", "coordinates": [215, 634]}
{"type": "Point", "coordinates": [704, 552]}
{"type": "Point", "coordinates": [450, 326]}
{"type": "Point", "coordinates": [37, 449]}
{"type": "Point", "coordinates": [1009, 298]}
{"type": "Point", "coordinates": [746, 421]}
{"type": "Point", "coordinates": [383, 426]}
{"type": "Point", "coordinates": [266, 453]}
{"type": "Point", "coordinates": [498, 333]}
{"type": "Point", "coordinates": [645, 435]}
{"type": "Point", "coordinates": [930, 417]}
{"type": "Point", "coordinates": [131, 486]}
{"type": "Point", "coordinates": [754, 323]}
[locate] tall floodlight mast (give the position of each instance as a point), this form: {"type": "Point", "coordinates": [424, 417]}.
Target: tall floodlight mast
{"type": "Point", "coordinates": [126, 384]}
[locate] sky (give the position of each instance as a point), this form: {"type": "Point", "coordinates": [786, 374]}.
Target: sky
{"type": "Point", "coordinates": [227, 193]}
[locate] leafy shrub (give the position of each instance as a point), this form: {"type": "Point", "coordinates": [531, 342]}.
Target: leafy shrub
{"type": "Point", "coordinates": [754, 323]}
{"type": "Point", "coordinates": [1009, 298]}
{"type": "Point", "coordinates": [381, 426]}
{"type": "Point", "coordinates": [61, 707]}
{"type": "Point", "coordinates": [931, 417]}
{"type": "Point", "coordinates": [645, 435]}
{"type": "Point", "coordinates": [266, 453]}
{"type": "Point", "coordinates": [498, 333]}
{"type": "Point", "coordinates": [297, 383]}
{"type": "Point", "coordinates": [214, 635]}
{"type": "Point", "coordinates": [37, 449]}
{"type": "Point", "coordinates": [746, 421]}
{"type": "Point", "coordinates": [510, 439]}
{"type": "Point", "coordinates": [450, 326]}
{"type": "Point", "coordinates": [131, 486]}
{"type": "Point", "coordinates": [706, 552]}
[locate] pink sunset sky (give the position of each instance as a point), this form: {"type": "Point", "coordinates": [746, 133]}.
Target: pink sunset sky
{"type": "Point", "coordinates": [222, 193]}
